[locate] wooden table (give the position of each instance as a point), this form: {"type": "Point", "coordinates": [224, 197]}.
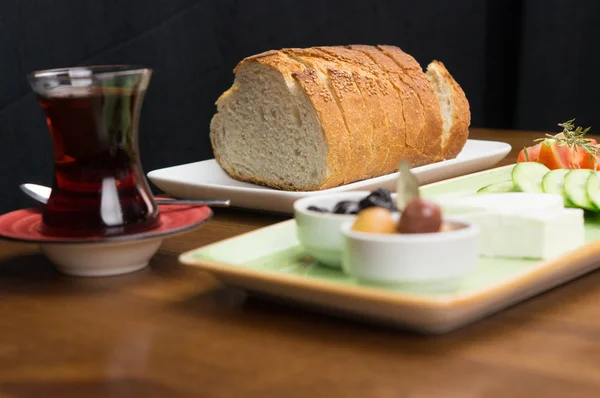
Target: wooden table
{"type": "Point", "coordinates": [171, 331]}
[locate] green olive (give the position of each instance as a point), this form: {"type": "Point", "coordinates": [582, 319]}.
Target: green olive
{"type": "Point", "coordinates": [375, 220]}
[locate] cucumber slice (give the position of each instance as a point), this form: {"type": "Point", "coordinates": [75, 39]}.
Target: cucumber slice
{"type": "Point", "coordinates": [593, 188]}
{"type": "Point", "coordinates": [576, 188]}
{"type": "Point", "coordinates": [554, 182]}
{"type": "Point", "coordinates": [499, 187]}
{"type": "Point", "coordinates": [527, 176]}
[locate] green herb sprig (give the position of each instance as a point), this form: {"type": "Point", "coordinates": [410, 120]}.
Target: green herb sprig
{"type": "Point", "coordinates": [573, 138]}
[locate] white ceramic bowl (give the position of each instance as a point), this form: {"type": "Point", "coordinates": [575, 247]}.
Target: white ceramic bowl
{"type": "Point", "coordinates": [320, 233]}
{"type": "Point", "coordinates": [101, 258]}
{"type": "Point", "coordinates": [410, 258]}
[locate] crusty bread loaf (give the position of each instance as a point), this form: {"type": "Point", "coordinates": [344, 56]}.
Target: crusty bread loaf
{"type": "Point", "coordinates": [316, 118]}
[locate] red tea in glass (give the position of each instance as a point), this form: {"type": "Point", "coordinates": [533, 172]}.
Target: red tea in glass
{"type": "Point", "coordinates": [99, 187]}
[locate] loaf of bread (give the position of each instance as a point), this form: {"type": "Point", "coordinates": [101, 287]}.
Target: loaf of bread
{"type": "Point", "coordinates": [316, 118]}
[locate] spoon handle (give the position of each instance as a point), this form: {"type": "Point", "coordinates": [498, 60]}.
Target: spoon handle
{"type": "Point", "coordinates": [41, 194]}
{"type": "Point", "coordinates": [214, 203]}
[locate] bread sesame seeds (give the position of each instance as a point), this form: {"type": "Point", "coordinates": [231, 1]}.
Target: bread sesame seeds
{"type": "Point", "coordinates": [342, 80]}
{"type": "Point", "coordinates": [325, 95]}
{"type": "Point", "coordinates": [371, 86]}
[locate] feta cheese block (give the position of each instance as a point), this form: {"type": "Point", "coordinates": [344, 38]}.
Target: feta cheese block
{"type": "Point", "coordinates": [536, 234]}
{"type": "Point", "coordinates": [512, 201]}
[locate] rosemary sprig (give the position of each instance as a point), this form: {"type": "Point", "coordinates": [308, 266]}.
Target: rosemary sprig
{"type": "Point", "coordinates": [573, 138]}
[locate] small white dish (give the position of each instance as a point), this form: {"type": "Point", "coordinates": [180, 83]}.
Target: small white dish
{"type": "Point", "coordinates": [101, 259]}
{"type": "Point", "coordinates": [410, 258]}
{"type": "Point", "coordinates": [207, 180]}
{"type": "Point", "coordinates": [320, 233]}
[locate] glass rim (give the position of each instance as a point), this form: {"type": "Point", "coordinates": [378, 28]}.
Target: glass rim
{"type": "Point", "coordinates": [96, 71]}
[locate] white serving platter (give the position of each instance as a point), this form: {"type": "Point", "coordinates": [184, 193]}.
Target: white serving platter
{"type": "Point", "coordinates": [207, 180]}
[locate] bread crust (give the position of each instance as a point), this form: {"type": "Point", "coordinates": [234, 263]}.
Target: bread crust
{"type": "Point", "coordinates": [405, 111]}
{"type": "Point", "coordinates": [332, 123]}
{"type": "Point", "coordinates": [347, 98]}
{"type": "Point", "coordinates": [377, 130]}
{"type": "Point", "coordinates": [432, 140]}
{"type": "Point", "coordinates": [375, 106]}
{"type": "Point", "coordinates": [392, 106]}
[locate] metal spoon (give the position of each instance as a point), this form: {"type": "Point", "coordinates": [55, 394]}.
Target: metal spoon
{"type": "Point", "coordinates": [42, 193]}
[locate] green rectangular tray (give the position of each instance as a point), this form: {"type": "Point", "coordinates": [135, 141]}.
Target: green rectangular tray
{"type": "Point", "coordinates": [271, 261]}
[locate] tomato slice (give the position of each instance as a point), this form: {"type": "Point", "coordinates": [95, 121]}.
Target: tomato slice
{"type": "Point", "coordinates": [590, 161]}
{"type": "Point", "coordinates": [533, 152]}
{"type": "Point", "coordinates": [553, 156]}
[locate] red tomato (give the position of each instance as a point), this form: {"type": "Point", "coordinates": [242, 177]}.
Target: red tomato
{"type": "Point", "coordinates": [590, 161]}
{"type": "Point", "coordinates": [553, 156]}
{"type": "Point", "coordinates": [533, 152]}
{"type": "Point", "coordinates": [579, 158]}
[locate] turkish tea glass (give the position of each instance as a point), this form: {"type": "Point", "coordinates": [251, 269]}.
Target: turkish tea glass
{"type": "Point", "coordinates": [99, 188]}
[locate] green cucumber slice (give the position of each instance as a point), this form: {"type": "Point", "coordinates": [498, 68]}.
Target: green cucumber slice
{"type": "Point", "coordinates": [554, 182]}
{"type": "Point", "coordinates": [499, 187]}
{"type": "Point", "coordinates": [576, 188]}
{"type": "Point", "coordinates": [527, 176]}
{"type": "Point", "coordinates": [593, 188]}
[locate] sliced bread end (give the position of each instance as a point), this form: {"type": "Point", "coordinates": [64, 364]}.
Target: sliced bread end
{"type": "Point", "coordinates": [455, 109]}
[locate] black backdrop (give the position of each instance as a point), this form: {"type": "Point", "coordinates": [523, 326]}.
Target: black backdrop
{"type": "Point", "coordinates": [523, 64]}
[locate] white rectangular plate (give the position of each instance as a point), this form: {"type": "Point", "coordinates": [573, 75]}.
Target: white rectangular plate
{"type": "Point", "coordinates": [207, 180]}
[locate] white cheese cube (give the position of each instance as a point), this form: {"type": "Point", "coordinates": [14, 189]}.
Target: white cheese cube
{"type": "Point", "coordinates": [513, 201]}
{"type": "Point", "coordinates": [537, 234]}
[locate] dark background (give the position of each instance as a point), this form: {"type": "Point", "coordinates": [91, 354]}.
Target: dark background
{"type": "Point", "coordinates": [523, 64]}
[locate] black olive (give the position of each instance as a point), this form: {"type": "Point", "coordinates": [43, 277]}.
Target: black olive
{"type": "Point", "coordinates": [317, 209]}
{"type": "Point", "coordinates": [381, 198]}
{"type": "Point", "coordinates": [346, 207]}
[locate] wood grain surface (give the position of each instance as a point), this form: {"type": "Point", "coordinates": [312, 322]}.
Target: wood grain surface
{"type": "Point", "coordinates": [173, 331]}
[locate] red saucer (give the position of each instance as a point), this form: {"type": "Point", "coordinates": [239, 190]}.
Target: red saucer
{"type": "Point", "coordinates": [25, 225]}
